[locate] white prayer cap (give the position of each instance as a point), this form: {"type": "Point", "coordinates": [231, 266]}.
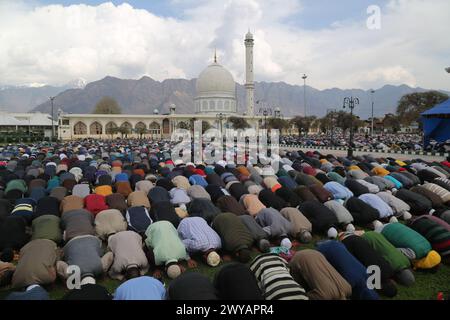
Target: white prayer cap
{"type": "Point", "coordinates": [221, 163]}
{"type": "Point", "coordinates": [177, 162]}
{"type": "Point", "coordinates": [87, 280]}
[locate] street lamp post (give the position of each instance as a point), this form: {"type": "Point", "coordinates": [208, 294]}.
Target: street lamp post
{"type": "Point", "coordinates": [265, 112]}
{"type": "Point", "coordinates": [371, 94]}
{"type": "Point", "coordinates": [330, 115]}
{"type": "Point", "coordinates": [220, 116]}
{"type": "Point", "coordinates": [59, 122]}
{"type": "Point", "coordinates": [350, 103]}
{"type": "Point", "coordinates": [53, 127]}
{"type": "Point", "coordinates": [304, 91]}
{"type": "Point", "coordinates": [447, 69]}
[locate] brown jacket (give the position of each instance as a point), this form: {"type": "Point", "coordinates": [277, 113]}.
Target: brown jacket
{"type": "Point", "coordinates": [124, 188]}
{"type": "Point", "coordinates": [325, 283]}
{"type": "Point", "coordinates": [71, 203]}
{"type": "Point", "coordinates": [297, 219]}
{"type": "Point", "coordinates": [138, 199]}
{"type": "Point", "coordinates": [109, 221]}
{"type": "Point", "coordinates": [117, 201]}
{"type": "Point", "coordinates": [36, 264]}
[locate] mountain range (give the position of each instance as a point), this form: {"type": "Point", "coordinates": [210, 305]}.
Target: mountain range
{"type": "Point", "coordinates": [144, 95]}
{"type": "Point", "coordinates": [26, 97]}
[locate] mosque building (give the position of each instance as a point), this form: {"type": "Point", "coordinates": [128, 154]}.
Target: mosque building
{"type": "Point", "coordinates": [214, 102]}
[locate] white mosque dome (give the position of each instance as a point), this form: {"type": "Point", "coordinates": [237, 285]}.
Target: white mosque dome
{"type": "Point", "coordinates": [215, 80]}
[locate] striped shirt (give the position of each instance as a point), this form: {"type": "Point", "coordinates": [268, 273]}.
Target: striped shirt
{"type": "Point", "coordinates": [197, 235]}
{"type": "Point", "coordinates": [274, 279]}
{"type": "Point", "coordinates": [23, 209]}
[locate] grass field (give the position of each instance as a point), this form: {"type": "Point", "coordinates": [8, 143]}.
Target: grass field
{"type": "Point", "coordinates": [426, 287]}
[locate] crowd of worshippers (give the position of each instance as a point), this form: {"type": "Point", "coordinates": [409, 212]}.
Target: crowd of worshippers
{"type": "Point", "coordinates": [397, 141]}
{"type": "Point", "coordinates": [137, 216]}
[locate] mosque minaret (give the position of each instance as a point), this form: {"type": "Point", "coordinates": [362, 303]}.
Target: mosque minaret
{"type": "Point", "coordinates": [249, 84]}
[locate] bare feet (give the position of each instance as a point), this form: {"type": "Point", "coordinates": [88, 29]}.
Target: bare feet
{"type": "Point", "coordinates": [157, 274]}
{"type": "Point", "coordinates": [227, 258]}
{"type": "Point", "coordinates": [295, 244]}
{"type": "Point", "coordinates": [191, 264]}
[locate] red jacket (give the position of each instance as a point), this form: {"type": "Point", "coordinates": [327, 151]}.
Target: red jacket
{"type": "Point", "coordinates": [95, 203]}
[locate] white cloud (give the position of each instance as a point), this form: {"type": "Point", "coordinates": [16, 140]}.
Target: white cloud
{"type": "Point", "coordinates": [393, 75]}
{"type": "Point", "coordinates": [54, 44]}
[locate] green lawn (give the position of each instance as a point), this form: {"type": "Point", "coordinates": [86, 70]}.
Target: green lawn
{"type": "Point", "coordinates": [426, 287]}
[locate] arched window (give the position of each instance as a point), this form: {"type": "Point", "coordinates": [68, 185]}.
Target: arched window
{"type": "Point", "coordinates": [111, 128]}
{"type": "Point", "coordinates": [227, 105]}
{"type": "Point", "coordinates": [205, 106]}
{"type": "Point", "coordinates": [212, 105]}
{"type": "Point", "coordinates": [140, 126]}
{"type": "Point", "coordinates": [126, 125]}
{"type": "Point", "coordinates": [182, 125]}
{"type": "Point", "coordinates": [220, 105]}
{"type": "Point", "coordinates": [155, 128]}
{"type": "Point", "coordinates": [125, 129]}
{"type": "Point", "coordinates": [96, 128]}
{"type": "Point", "coordinates": [166, 126]}
{"type": "Point", "coordinates": [79, 128]}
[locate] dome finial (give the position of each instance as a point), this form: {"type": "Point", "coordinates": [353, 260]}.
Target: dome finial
{"type": "Point", "coordinates": [215, 55]}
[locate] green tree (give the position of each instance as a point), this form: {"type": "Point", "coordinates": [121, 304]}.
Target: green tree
{"type": "Point", "coordinates": [238, 123]}
{"type": "Point", "coordinates": [205, 126]}
{"type": "Point", "coordinates": [344, 121]}
{"type": "Point", "coordinates": [183, 125]}
{"type": "Point", "coordinates": [107, 105]}
{"type": "Point", "coordinates": [277, 123]}
{"type": "Point", "coordinates": [112, 131]}
{"type": "Point", "coordinates": [325, 123]}
{"type": "Point", "coordinates": [412, 105]}
{"type": "Point", "coordinates": [141, 131]}
{"type": "Point", "coordinates": [391, 122]}
{"type": "Point", "coordinates": [124, 131]}
{"type": "Point", "coordinates": [303, 123]}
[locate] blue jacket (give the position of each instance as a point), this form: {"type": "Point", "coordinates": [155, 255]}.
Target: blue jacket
{"type": "Point", "coordinates": [349, 267]}
{"type": "Point", "coordinates": [36, 293]}
{"type": "Point", "coordinates": [338, 190]}
{"type": "Point", "coordinates": [142, 288]}
{"type": "Point", "coordinates": [198, 179]}
{"type": "Point", "coordinates": [397, 183]}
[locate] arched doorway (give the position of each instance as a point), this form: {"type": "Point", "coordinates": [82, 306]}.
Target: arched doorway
{"type": "Point", "coordinates": [155, 130]}
{"type": "Point", "coordinates": [141, 129]}
{"type": "Point", "coordinates": [166, 126]}
{"type": "Point", "coordinates": [111, 128]}
{"type": "Point", "coordinates": [125, 129]}
{"type": "Point", "coordinates": [96, 128]}
{"type": "Point", "coordinates": [80, 128]}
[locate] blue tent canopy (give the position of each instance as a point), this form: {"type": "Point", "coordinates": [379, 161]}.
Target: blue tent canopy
{"type": "Point", "coordinates": [436, 122]}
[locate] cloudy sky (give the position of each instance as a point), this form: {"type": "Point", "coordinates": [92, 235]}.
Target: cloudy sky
{"type": "Point", "coordinates": [53, 42]}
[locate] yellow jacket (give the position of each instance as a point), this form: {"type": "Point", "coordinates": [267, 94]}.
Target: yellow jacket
{"type": "Point", "coordinates": [103, 190]}
{"type": "Point", "coordinates": [379, 171]}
